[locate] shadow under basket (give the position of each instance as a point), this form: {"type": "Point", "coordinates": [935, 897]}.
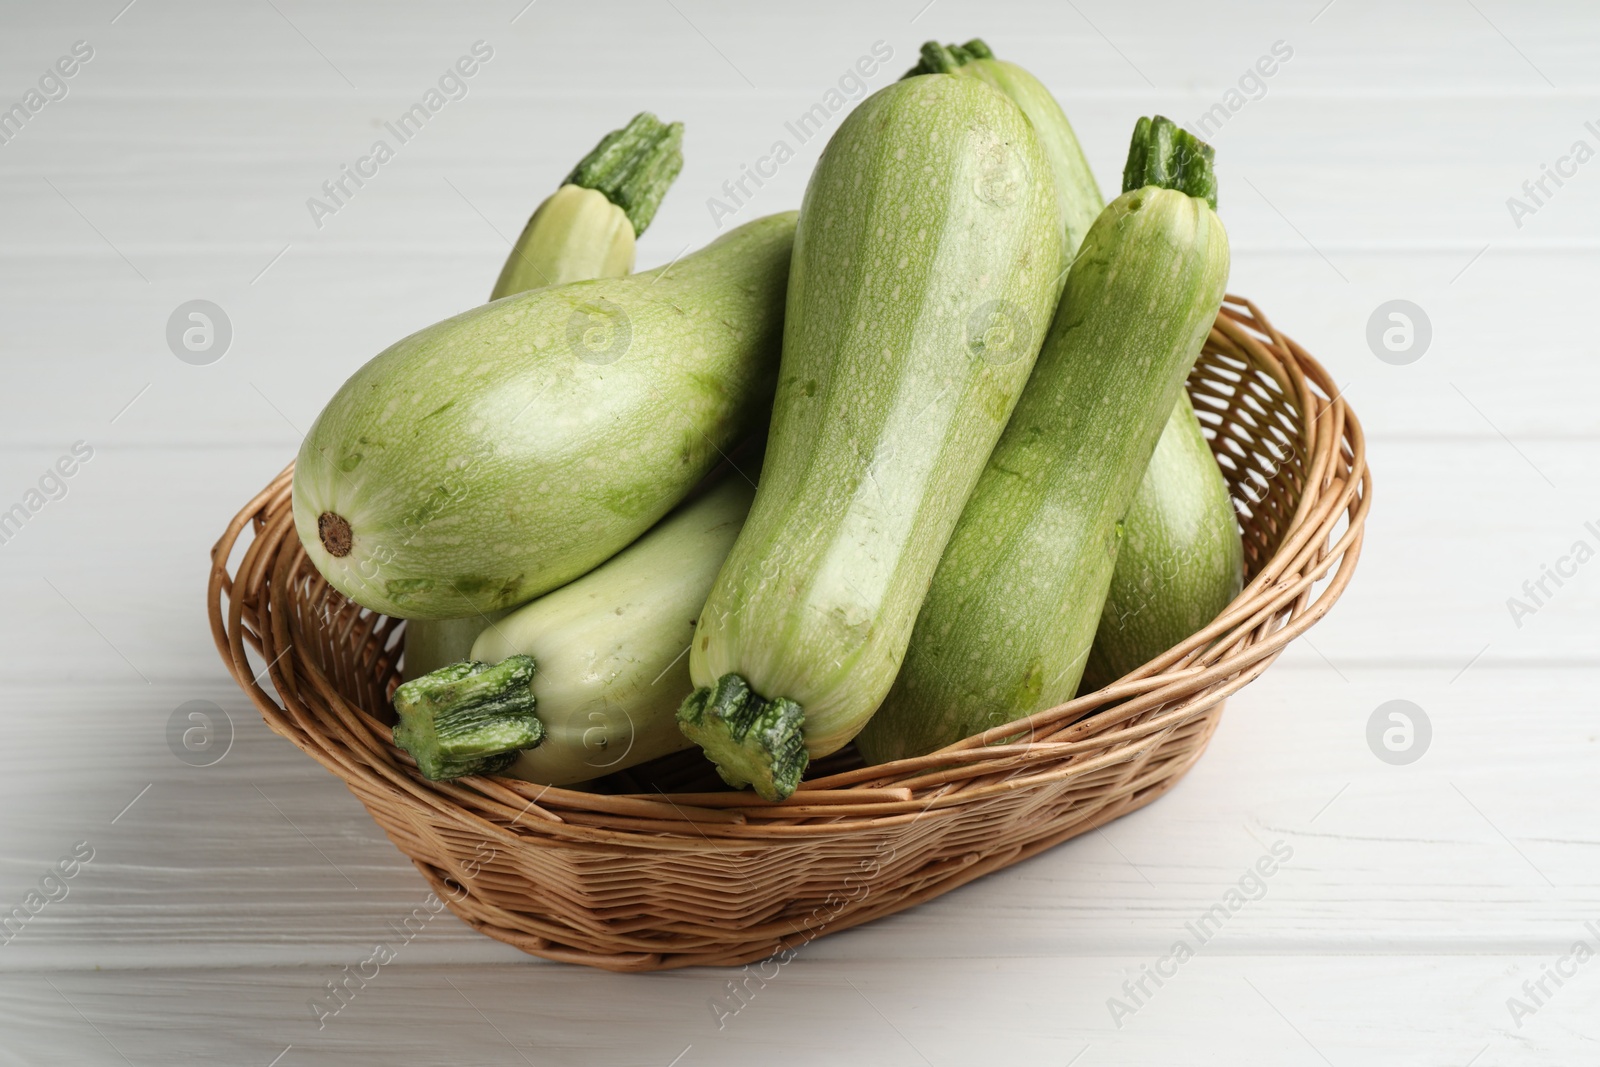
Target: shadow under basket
{"type": "Point", "coordinates": [664, 867]}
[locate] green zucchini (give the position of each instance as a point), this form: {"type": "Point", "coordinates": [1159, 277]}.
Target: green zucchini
{"type": "Point", "coordinates": [925, 267]}
{"type": "Point", "coordinates": [1181, 560]}
{"type": "Point", "coordinates": [1077, 195]}
{"type": "Point", "coordinates": [501, 453]}
{"type": "Point", "coordinates": [585, 229]}
{"type": "Point", "coordinates": [607, 651]}
{"type": "Point", "coordinates": [1009, 618]}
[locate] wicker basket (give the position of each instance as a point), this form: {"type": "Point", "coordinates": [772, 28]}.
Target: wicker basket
{"type": "Point", "coordinates": [662, 867]}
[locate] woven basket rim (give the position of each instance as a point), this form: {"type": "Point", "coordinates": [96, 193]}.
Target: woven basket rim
{"type": "Point", "coordinates": [1319, 544]}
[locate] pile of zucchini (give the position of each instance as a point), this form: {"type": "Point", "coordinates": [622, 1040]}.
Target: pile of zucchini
{"type": "Point", "coordinates": [982, 482]}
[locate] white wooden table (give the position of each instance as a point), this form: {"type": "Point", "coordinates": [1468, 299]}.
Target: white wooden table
{"type": "Point", "coordinates": [1373, 165]}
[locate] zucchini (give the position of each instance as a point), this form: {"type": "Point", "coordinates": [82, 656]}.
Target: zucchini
{"type": "Point", "coordinates": [585, 229]}
{"type": "Point", "coordinates": [925, 267]}
{"type": "Point", "coordinates": [499, 454]}
{"type": "Point", "coordinates": [1009, 618]}
{"type": "Point", "coordinates": [1181, 561]}
{"type": "Point", "coordinates": [1077, 195]}
{"type": "Point", "coordinates": [607, 652]}
{"type": "Point", "coordinates": [435, 643]}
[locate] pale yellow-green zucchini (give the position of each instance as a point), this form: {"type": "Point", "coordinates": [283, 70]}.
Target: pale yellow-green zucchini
{"type": "Point", "coordinates": [602, 663]}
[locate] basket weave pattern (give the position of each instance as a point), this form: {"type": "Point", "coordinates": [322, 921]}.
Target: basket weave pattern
{"type": "Point", "coordinates": [679, 872]}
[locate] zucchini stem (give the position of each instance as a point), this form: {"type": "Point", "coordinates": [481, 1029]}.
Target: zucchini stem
{"type": "Point", "coordinates": [468, 718]}
{"type": "Point", "coordinates": [943, 58]}
{"type": "Point", "coordinates": [1164, 154]}
{"type": "Point", "coordinates": [634, 166]}
{"type": "Point", "coordinates": [753, 741]}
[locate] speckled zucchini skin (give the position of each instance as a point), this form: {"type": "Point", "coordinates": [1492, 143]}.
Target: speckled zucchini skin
{"type": "Point", "coordinates": [1077, 196]}
{"type": "Point", "coordinates": [1008, 621]}
{"type": "Point", "coordinates": [1181, 560]}
{"type": "Point", "coordinates": [925, 270]}
{"type": "Point", "coordinates": [496, 455]}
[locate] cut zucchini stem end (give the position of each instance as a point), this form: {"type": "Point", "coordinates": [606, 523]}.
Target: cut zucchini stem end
{"type": "Point", "coordinates": [754, 741]}
{"type": "Point", "coordinates": [1164, 154]}
{"type": "Point", "coordinates": [468, 718]}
